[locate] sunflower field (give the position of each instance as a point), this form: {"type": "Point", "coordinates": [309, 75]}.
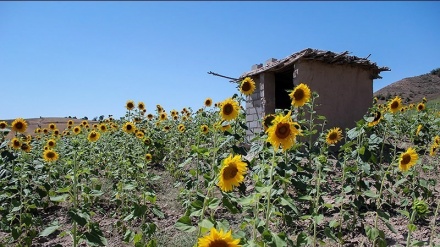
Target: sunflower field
{"type": "Point", "coordinates": [297, 183]}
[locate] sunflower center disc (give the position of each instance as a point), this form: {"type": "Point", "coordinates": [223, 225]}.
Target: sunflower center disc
{"type": "Point", "coordinates": [229, 173]}
{"type": "Point", "coordinates": [246, 86]}
{"type": "Point", "coordinates": [406, 159]}
{"type": "Point", "coordinates": [228, 109]}
{"type": "Point", "coordinates": [18, 125]}
{"type": "Point", "coordinates": [50, 155]}
{"type": "Point", "coordinates": [218, 243]}
{"type": "Point", "coordinates": [394, 105]}
{"type": "Point", "coordinates": [298, 94]}
{"type": "Point", "coordinates": [282, 131]}
{"type": "Point", "coordinates": [333, 136]}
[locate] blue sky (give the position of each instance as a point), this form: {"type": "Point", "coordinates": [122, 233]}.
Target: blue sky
{"type": "Point", "coordinates": [88, 58]}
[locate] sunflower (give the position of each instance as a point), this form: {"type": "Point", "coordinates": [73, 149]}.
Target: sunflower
{"type": "Point", "coordinates": [129, 105]}
{"type": "Point", "coordinates": [166, 128]}
{"type": "Point", "coordinates": [433, 149]}
{"type": "Point", "coordinates": [333, 136]}
{"type": "Point", "coordinates": [15, 143]}
{"type": "Point", "coordinates": [3, 125]}
{"type": "Point", "coordinates": [19, 125]}
{"type": "Point", "coordinates": [163, 116]}
{"type": "Point", "coordinates": [184, 118]}
{"type": "Point", "coordinates": [267, 121]}
{"type": "Point", "coordinates": [204, 128]}
{"type": "Point", "coordinates": [282, 132]}
{"type": "Point", "coordinates": [408, 159]}
{"type": "Point", "coordinates": [424, 100]}
{"type": "Point", "coordinates": [208, 102]}
{"type": "Point", "coordinates": [229, 109]}
{"type": "Point", "coordinates": [437, 140]}
{"type": "Point", "coordinates": [147, 141]}
{"type": "Point", "coordinates": [84, 123]}
{"type": "Point", "coordinates": [395, 104]}
{"type": "Point", "coordinates": [50, 155]}
{"type": "Point", "coordinates": [141, 105]}
{"type": "Point", "coordinates": [26, 147]}
{"type": "Point", "coordinates": [77, 129]}
{"type": "Point", "coordinates": [70, 122]}
{"type": "Point", "coordinates": [51, 143]}
{"type": "Point", "coordinates": [421, 107]}
{"type": "Point", "coordinates": [52, 126]}
{"type": "Point", "coordinates": [93, 136]}
{"type": "Point", "coordinates": [37, 130]}
{"type": "Point", "coordinates": [181, 128]}
{"type": "Point", "coordinates": [218, 239]}
{"type": "Point", "coordinates": [150, 116]}
{"type": "Point", "coordinates": [129, 127]}
{"type": "Point", "coordinates": [419, 128]}
{"type": "Point", "coordinates": [247, 86]}
{"type": "Point", "coordinates": [148, 157]}
{"type": "Point", "coordinates": [103, 127]}
{"type": "Point", "coordinates": [300, 95]}
{"type": "Point", "coordinates": [45, 131]}
{"type": "Point", "coordinates": [231, 173]}
{"type": "Point", "coordinates": [140, 134]}
{"type": "Point", "coordinates": [56, 132]}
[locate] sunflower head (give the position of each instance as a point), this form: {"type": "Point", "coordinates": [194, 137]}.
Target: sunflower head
{"type": "Point", "coordinates": [15, 143]}
{"type": "Point", "coordinates": [77, 130]}
{"type": "Point", "coordinates": [84, 123]}
{"type": "Point", "coordinates": [267, 121]}
{"type": "Point", "coordinates": [3, 125]}
{"type": "Point", "coordinates": [421, 107]}
{"type": "Point", "coordinates": [419, 128]}
{"type": "Point", "coordinates": [204, 128]}
{"type": "Point", "coordinates": [148, 157]}
{"type": "Point", "coordinates": [140, 134]}
{"type": "Point", "coordinates": [129, 105]}
{"type": "Point", "coordinates": [395, 104]}
{"type": "Point", "coordinates": [51, 143]}
{"type": "Point", "coordinates": [437, 140]}
{"type": "Point", "coordinates": [93, 136]}
{"type": "Point", "coordinates": [282, 132]}
{"type": "Point", "coordinates": [231, 173]}
{"type": "Point", "coordinates": [26, 147]}
{"type": "Point", "coordinates": [19, 125]}
{"type": "Point", "coordinates": [45, 131]}
{"type": "Point", "coordinates": [52, 126]}
{"type": "Point", "coordinates": [181, 128]}
{"type": "Point", "coordinates": [163, 116]}
{"type": "Point", "coordinates": [229, 109]}
{"type": "Point", "coordinates": [129, 127]}
{"type": "Point", "coordinates": [333, 136]}
{"type": "Point", "coordinates": [247, 86]}
{"type": "Point", "coordinates": [218, 239]}
{"type": "Point", "coordinates": [49, 155]}
{"type": "Point", "coordinates": [141, 105]}
{"type": "Point", "coordinates": [150, 116]}
{"type": "Point", "coordinates": [433, 149]}
{"type": "Point", "coordinates": [208, 102]}
{"type": "Point", "coordinates": [408, 159]}
{"type": "Point", "coordinates": [103, 127]}
{"type": "Point", "coordinates": [70, 122]}
{"type": "Point", "coordinates": [300, 95]}
{"type": "Point", "coordinates": [424, 100]}
{"type": "Point", "coordinates": [37, 130]}
{"type": "Point", "coordinates": [147, 141]}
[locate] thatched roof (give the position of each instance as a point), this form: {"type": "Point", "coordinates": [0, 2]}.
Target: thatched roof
{"type": "Point", "coordinates": [318, 55]}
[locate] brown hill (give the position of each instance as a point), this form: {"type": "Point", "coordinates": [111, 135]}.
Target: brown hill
{"type": "Point", "coordinates": [413, 89]}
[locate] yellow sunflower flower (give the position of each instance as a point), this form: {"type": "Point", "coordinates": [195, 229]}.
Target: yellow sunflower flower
{"type": "Point", "coordinates": [70, 122]}
{"type": "Point", "coordinates": [50, 155]}
{"type": "Point", "coordinates": [433, 149]}
{"type": "Point", "coordinates": [377, 117]}
{"type": "Point", "coordinates": [204, 128]}
{"type": "Point", "coordinates": [247, 86]}
{"type": "Point", "coordinates": [56, 132]}
{"type": "Point", "coordinates": [141, 105]}
{"type": "Point", "coordinates": [147, 141]}
{"type": "Point", "coordinates": [19, 125]}
{"type": "Point", "coordinates": [51, 143]}
{"type": "Point", "coordinates": [93, 136]}
{"type": "Point", "coordinates": [129, 105]}
{"type": "Point", "coordinates": [419, 128]}
{"type": "Point", "coordinates": [421, 107]}
{"type": "Point", "coordinates": [45, 131]}
{"type": "Point", "coordinates": [140, 134]}
{"type": "Point", "coordinates": [129, 127]}
{"type": "Point", "coordinates": [84, 123]}
{"type": "Point", "coordinates": [437, 140]}
{"type": "Point", "coordinates": [282, 132]}
{"type": "Point", "coordinates": [231, 173]}
{"type": "Point", "coordinates": [26, 147]}
{"type": "Point", "coordinates": [229, 109]}
{"type": "Point", "coordinates": [52, 126]}
{"type": "Point", "coordinates": [163, 116]}
{"type": "Point", "coordinates": [15, 143]}
{"type": "Point", "coordinates": [218, 239]}
{"type": "Point", "coordinates": [395, 104]}
{"type": "Point", "coordinates": [408, 159]}
{"type": "Point", "coordinates": [3, 125]}
{"type": "Point", "coordinates": [103, 127]}
{"type": "Point", "coordinates": [208, 102]}
{"type": "Point", "coordinates": [334, 135]}
{"type": "Point", "coordinates": [150, 116]}
{"type": "Point", "coordinates": [300, 95]}
{"type": "Point", "coordinates": [181, 128]}
{"type": "Point", "coordinates": [148, 157]}
{"type": "Point", "coordinates": [77, 130]}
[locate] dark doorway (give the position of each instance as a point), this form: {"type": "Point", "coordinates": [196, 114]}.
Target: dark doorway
{"type": "Point", "coordinates": [283, 82]}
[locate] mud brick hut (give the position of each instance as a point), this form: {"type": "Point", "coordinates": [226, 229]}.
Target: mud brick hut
{"type": "Point", "coordinates": [344, 84]}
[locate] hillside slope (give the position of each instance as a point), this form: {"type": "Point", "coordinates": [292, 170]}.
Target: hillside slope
{"type": "Point", "coordinates": [413, 89]}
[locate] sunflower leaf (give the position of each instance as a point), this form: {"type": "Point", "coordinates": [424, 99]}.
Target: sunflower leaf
{"type": "Point", "coordinates": [184, 224]}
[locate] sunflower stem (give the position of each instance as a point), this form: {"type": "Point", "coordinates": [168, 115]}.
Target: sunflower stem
{"type": "Point", "coordinates": [431, 236]}
{"type": "Point", "coordinates": [270, 189]}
